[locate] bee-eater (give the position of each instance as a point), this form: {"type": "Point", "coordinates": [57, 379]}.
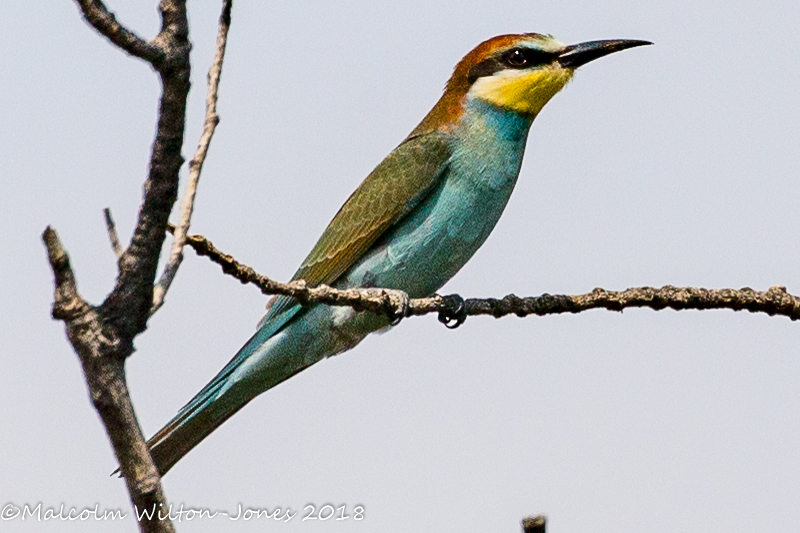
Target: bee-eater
{"type": "Point", "coordinates": [410, 225]}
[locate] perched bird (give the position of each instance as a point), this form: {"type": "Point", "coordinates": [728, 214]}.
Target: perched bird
{"type": "Point", "coordinates": [411, 225]}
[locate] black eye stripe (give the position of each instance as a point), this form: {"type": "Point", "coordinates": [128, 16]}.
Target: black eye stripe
{"type": "Point", "coordinates": [504, 61]}
{"type": "Point", "coordinates": [487, 67]}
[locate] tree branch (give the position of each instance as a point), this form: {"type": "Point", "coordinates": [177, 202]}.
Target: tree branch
{"type": "Point", "coordinates": [98, 16]}
{"type": "Point", "coordinates": [130, 301]}
{"type": "Point", "coordinates": [196, 164]}
{"type": "Point", "coordinates": [775, 301]}
{"type": "Point", "coordinates": [102, 356]}
{"type": "Point", "coordinates": [103, 336]}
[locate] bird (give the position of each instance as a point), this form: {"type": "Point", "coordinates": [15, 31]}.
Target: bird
{"type": "Point", "coordinates": [411, 225]}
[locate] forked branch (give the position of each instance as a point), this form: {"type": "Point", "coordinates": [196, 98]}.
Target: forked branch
{"type": "Point", "coordinates": [103, 335]}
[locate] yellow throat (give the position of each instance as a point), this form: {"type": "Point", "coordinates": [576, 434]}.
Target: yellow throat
{"type": "Point", "coordinates": [523, 91]}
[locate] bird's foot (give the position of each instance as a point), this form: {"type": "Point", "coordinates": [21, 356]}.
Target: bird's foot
{"type": "Point", "coordinates": [398, 303]}
{"type": "Point", "coordinates": [455, 312]}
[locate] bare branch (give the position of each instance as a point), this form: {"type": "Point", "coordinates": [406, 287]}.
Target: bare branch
{"type": "Point", "coordinates": [130, 301]}
{"type": "Point", "coordinates": [96, 14]}
{"type": "Point", "coordinates": [534, 524]}
{"type": "Point", "coordinates": [196, 164]}
{"type": "Point", "coordinates": [775, 301]}
{"type": "Point", "coordinates": [102, 354]}
{"type": "Point", "coordinates": [103, 336]}
{"type": "Point", "coordinates": [112, 233]}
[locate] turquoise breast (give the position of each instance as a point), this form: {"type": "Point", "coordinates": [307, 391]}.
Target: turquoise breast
{"type": "Point", "coordinates": [431, 245]}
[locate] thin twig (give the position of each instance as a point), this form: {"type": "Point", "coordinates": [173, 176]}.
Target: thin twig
{"type": "Point", "coordinates": [96, 14]}
{"type": "Point", "coordinates": [775, 301]}
{"type": "Point", "coordinates": [112, 233]}
{"type": "Point", "coordinates": [196, 164]}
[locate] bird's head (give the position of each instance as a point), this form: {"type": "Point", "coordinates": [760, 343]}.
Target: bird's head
{"type": "Point", "coordinates": [518, 73]}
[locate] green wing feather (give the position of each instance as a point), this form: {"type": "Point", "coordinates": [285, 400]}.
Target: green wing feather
{"type": "Point", "coordinates": [391, 191]}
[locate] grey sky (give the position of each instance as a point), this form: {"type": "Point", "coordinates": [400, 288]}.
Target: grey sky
{"type": "Point", "coordinates": [674, 164]}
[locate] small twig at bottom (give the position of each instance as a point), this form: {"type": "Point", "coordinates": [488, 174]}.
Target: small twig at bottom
{"type": "Point", "coordinates": [534, 524]}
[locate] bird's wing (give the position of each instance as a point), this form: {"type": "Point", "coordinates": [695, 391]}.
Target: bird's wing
{"type": "Point", "coordinates": [391, 191]}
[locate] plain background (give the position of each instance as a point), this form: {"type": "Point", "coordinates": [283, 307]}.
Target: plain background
{"type": "Point", "coordinates": [672, 164]}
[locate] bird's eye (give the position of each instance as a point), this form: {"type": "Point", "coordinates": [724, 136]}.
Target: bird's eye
{"type": "Point", "coordinates": [516, 58]}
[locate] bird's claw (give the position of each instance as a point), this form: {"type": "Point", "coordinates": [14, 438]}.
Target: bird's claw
{"type": "Point", "coordinates": [399, 302]}
{"type": "Point", "coordinates": [458, 315]}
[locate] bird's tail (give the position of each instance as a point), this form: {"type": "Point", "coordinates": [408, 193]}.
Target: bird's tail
{"type": "Point", "coordinates": [213, 405]}
{"type": "Point", "coordinates": [191, 425]}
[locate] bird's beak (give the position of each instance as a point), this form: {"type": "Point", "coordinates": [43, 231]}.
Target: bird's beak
{"type": "Point", "coordinates": [575, 55]}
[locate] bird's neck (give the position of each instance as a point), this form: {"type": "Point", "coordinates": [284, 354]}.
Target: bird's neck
{"type": "Point", "coordinates": [488, 145]}
{"type": "Point", "coordinates": [455, 109]}
{"type": "Point", "coordinates": [497, 123]}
